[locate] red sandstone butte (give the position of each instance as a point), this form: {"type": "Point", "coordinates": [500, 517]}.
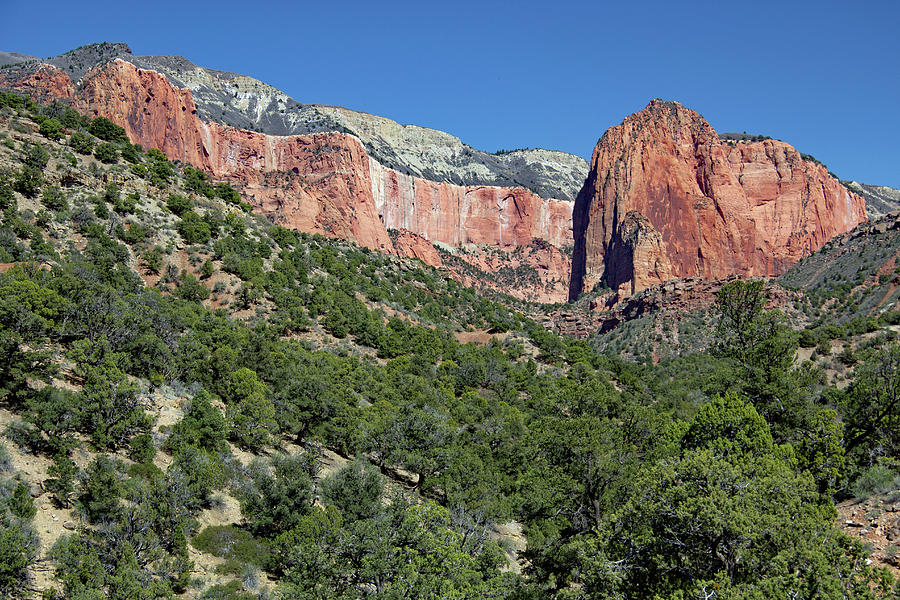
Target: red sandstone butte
{"type": "Point", "coordinates": [667, 198]}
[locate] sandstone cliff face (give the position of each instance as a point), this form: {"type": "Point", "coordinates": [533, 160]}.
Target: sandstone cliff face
{"type": "Point", "coordinates": [438, 156]}
{"type": "Point", "coordinates": [458, 215]}
{"type": "Point", "coordinates": [510, 232]}
{"type": "Point", "coordinates": [246, 103]}
{"type": "Point", "coordinates": [707, 208]}
{"type": "Point", "coordinates": [316, 183]}
{"type": "Point", "coordinates": [326, 183]}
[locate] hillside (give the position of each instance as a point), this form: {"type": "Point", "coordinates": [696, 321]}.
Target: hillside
{"type": "Point", "coordinates": [199, 403]}
{"type": "Point", "coordinates": [853, 275]}
{"type": "Point", "coordinates": [326, 181]}
{"type": "Point", "coordinates": [880, 199]}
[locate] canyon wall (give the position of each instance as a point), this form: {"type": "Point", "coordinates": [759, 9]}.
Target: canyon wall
{"type": "Point", "coordinates": [665, 197]}
{"type": "Point", "coordinates": [326, 183]}
{"type": "Point", "coordinates": [459, 215]}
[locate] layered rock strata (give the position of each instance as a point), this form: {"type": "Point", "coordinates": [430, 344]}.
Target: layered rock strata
{"type": "Point", "coordinates": [666, 198]}
{"type": "Point", "coordinates": [326, 182]}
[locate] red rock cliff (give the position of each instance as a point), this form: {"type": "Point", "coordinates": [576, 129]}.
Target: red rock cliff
{"type": "Point", "coordinates": [314, 183]}
{"type": "Point", "coordinates": [326, 183]}
{"type": "Point", "coordinates": [666, 198]}
{"type": "Point", "coordinates": [44, 82]}
{"type": "Point", "coordinates": [458, 215]}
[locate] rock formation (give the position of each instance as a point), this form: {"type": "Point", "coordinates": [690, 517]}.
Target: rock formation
{"type": "Point", "coordinates": [43, 82]}
{"type": "Point", "coordinates": [673, 297]}
{"type": "Point", "coordinates": [458, 215]}
{"type": "Point", "coordinates": [327, 183]}
{"type": "Point", "coordinates": [880, 199]}
{"type": "Point", "coordinates": [666, 198]}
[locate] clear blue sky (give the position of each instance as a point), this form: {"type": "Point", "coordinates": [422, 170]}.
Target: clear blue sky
{"type": "Point", "coordinates": [823, 76]}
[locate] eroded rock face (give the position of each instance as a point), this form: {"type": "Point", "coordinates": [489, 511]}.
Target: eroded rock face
{"type": "Point", "coordinates": [665, 198]}
{"type": "Point", "coordinates": [638, 258]}
{"type": "Point", "coordinates": [457, 215]}
{"type": "Point", "coordinates": [409, 244]}
{"type": "Point", "coordinates": [316, 183]}
{"type": "Point", "coordinates": [326, 183]}
{"type": "Point", "coordinates": [42, 82]}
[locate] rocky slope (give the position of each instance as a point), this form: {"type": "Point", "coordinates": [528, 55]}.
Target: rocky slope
{"type": "Point", "coordinates": [325, 181]}
{"type": "Point", "coordinates": [853, 275]}
{"type": "Point", "coordinates": [674, 298]}
{"type": "Point", "coordinates": [666, 197]}
{"type": "Point", "coordinates": [880, 199]}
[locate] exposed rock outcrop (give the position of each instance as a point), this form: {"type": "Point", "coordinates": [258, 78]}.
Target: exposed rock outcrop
{"type": "Point", "coordinates": [676, 296]}
{"type": "Point", "coordinates": [326, 183]}
{"type": "Point", "coordinates": [409, 244]}
{"type": "Point", "coordinates": [666, 197]}
{"type": "Point", "coordinates": [42, 82]}
{"type": "Point", "coordinates": [880, 199]}
{"type": "Point", "coordinates": [457, 215]}
{"type": "Point", "coordinates": [246, 103]}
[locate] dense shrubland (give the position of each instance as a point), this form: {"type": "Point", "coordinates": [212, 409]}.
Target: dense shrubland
{"type": "Point", "coordinates": [712, 475]}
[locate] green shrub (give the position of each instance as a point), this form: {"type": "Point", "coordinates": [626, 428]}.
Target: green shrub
{"type": "Point", "coordinates": [107, 153]}
{"type": "Point", "coordinates": [62, 479]}
{"type": "Point", "coordinates": [28, 181]}
{"type": "Point", "coordinates": [232, 543]}
{"type": "Point", "coordinates": [202, 426]}
{"type": "Point", "coordinates": [17, 553]}
{"type": "Point", "coordinates": [52, 129]}
{"type": "Point", "coordinates": [101, 489]}
{"type": "Point", "coordinates": [160, 170]}
{"type": "Point", "coordinates": [198, 473]}
{"type": "Point", "coordinates": [36, 156]}
{"type": "Point", "coordinates": [178, 204]}
{"type": "Point", "coordinates": [21, 504]}
{"type": "Point", "coordinates": [130, 152]}
{"type": "Point", "coordinates": [249, 410]}
{"type": "Point", "coordinates": [106, 130]}
{"type": "Point", "coordinates": [355, 490]}
{"type": "Point", "coordinates": [153, 259]}
{"type": "Point", "coordinates": [7, 198]}
{"type": "Point", "coordinates": [877, 479]}
{"type": "Point", "coordinates": [133, 234]}
{"type": "Point", "coordinates": [53, 198]}
{"type": "Point", "coordinates": [227, 591]}
{"type": "Point", "coordinates": [141, 448]}
{"type": "Point", "coordinates": [5, 459]}
{"type": "Point", "coordinates": [276, 503]}
{"type": "Point", "coordinates": [193, 229]}
{"type": "Point", "coordinates": [191, 290]}
{"type": "Point", "coordinates": [207, 270]}
{"type": "Point", "coordinates": [227, 193]}
{"type": "Point", "coordinates": [197, 180]}
{"type": "Point", "coordinates": [71, 118]}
